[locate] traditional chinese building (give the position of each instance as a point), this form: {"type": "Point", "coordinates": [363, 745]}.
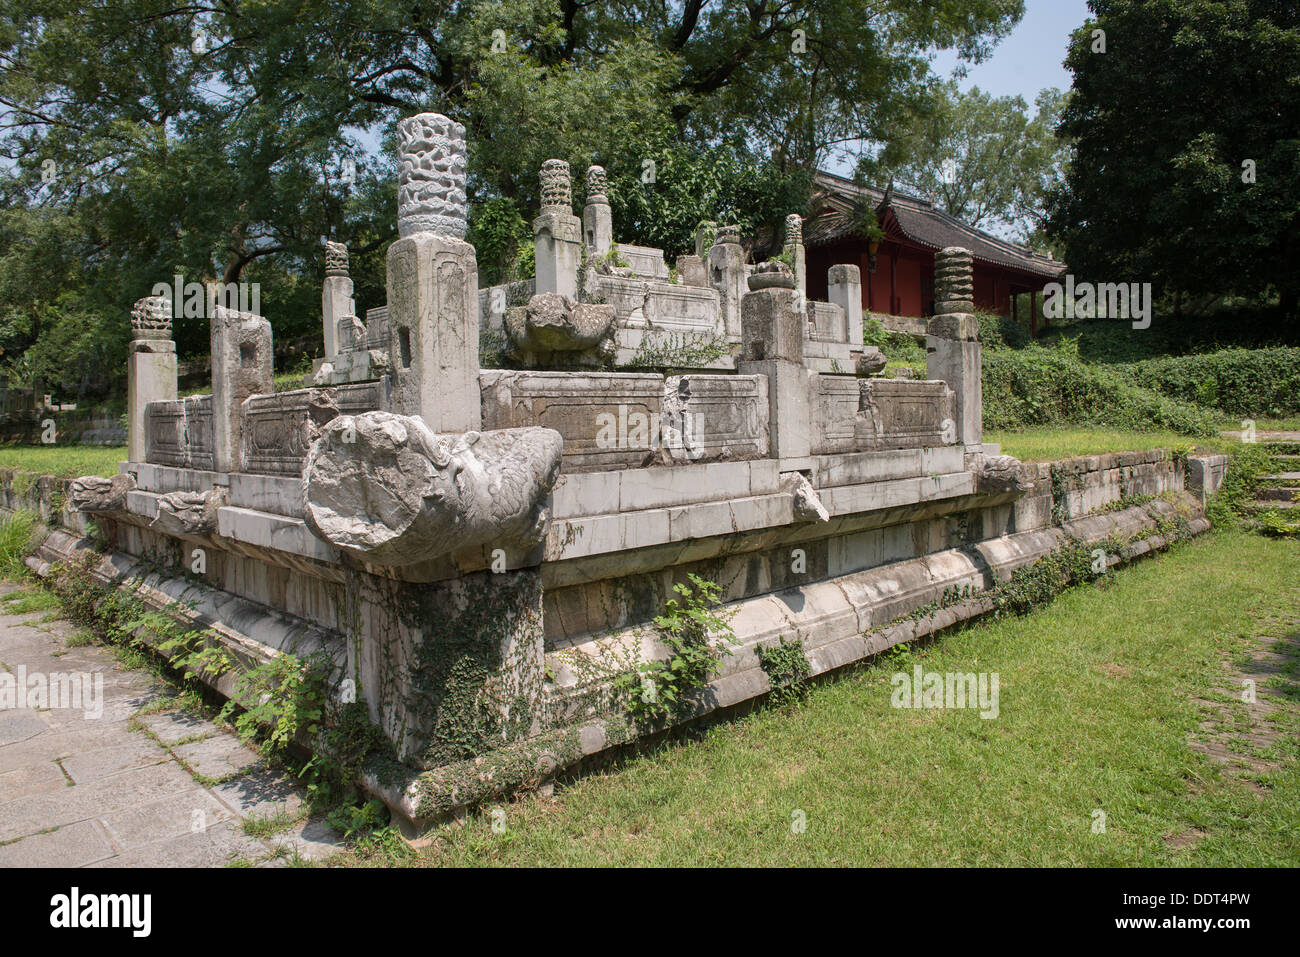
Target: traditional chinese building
{"type": "Point", "coordinates": [898, 271]}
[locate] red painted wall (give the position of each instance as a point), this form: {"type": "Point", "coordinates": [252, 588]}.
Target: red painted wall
{"type": "Point", "coordinates": [913, 278]}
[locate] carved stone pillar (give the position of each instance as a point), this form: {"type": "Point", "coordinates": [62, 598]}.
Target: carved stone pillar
{"type": "Point", "coordinates": [241, 367]}
{"type": "Point", "coordinates": [952, 342]}
{"type": "Point", "coordinates": [772, 345]}
{"type": "Point", "coordinates": [794, 246]}
{"type": "Point", "coordinates": [727, 275]}
{"type": "Point", "coordinates": [336, 297]}
{"type": "Point", "coordinates": [557, 233]}
{"type": "Point", "coordinates": [150, 368]}
{"type": "Point", "coordinates": [597, 221]}
{"type": "Point", "coordinates": [433, 281]}
{"type": "Point", "coordinates": [844, 289]}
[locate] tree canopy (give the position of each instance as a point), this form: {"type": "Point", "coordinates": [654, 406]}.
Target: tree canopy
{"type": "Point", "coordinates": [1187, 150]}
{"type": "Point", "coordinates": [986, 160]}
{"type": "Point", "coordinates": [222, 141]}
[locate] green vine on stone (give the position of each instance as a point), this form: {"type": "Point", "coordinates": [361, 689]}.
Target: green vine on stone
{"type": "Point", "coordinates": [659, 689]}
{"type": "Point", "coordinates": [787, 669]}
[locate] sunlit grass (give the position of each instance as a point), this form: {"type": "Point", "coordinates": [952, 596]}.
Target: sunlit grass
{"type": "Point", "coordinates": [63, 461]}
{"type": "Point", "coordinates": [1048, 444]}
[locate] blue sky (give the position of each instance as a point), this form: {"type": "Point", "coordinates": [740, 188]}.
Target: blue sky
{"type": "Point", "coordinates": [1029, 59]}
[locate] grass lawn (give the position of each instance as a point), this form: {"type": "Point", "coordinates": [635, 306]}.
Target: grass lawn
{"type": "Point", "coordinates": [1098, 700]}
{"type": "Point", "coordinates": [63, 461]}
{"type": "Point", "coordinates": [1047, 444]}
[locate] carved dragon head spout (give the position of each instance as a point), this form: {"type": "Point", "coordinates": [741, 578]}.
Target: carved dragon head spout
{"type": "Point", "coordinates": [389, 490]}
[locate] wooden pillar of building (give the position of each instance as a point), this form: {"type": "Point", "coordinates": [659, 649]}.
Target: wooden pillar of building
{"type": "Point", "coordinates": [893, 282]}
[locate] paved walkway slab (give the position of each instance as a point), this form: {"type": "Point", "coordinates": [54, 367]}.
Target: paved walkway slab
{"type": "Point", "coordinates": [92, 782]}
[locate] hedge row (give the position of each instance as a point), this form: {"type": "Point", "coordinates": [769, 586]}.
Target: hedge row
{"type": "Point", "coordinates": [1038, 386]}
{"type": "Point", "coordinates": [1253, 383]}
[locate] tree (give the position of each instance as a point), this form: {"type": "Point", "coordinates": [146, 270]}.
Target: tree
{"type": "Point", "coordinates": [223, 141]}
{"type": "Point", "coordinates": [984, 159]}
{"type": "Point", "coordinates": [1186, 147]}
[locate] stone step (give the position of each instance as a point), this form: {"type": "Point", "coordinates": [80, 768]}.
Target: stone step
{"type": "Point", "coordinates": [1281, 477]}
{"type": "Point", "coordinates": [1277, 494]}
{"type": "Point", "coordinates": [1263, 506]}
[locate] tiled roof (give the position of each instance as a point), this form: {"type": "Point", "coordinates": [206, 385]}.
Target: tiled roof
{"type": "Point", "coordinates": [917, 220]}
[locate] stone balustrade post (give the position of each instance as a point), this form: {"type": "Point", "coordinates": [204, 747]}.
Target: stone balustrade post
{"type": "Point", "coordinates": [597, 220]}
{"type": "Point", "coordinates": [952, 343]}
{"type": "Point", "coordinates": [150, 368]}
{"type": "Point", "coordinates": [336, 297]}
{"type": "Point", "coordinates": [794, 246]}
{"type": "Point", "coordinates": [844, 289]}
{"type": "Point", "coordinates": [433, 281]}
{"type": "Point", "coordinates": [726, 263]}
{"type": "Point", "coordinates": [557, 233]}
{"type": "Point", "coordinates": [241, 368]}
{"type": "Point", "coordinates": [772, 336]}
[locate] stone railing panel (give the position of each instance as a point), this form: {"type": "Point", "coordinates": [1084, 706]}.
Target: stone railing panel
{"type": "Point", "coordinates": [280, 428]}
{"type": "Point", "coordinates": [178, 432]}
{"type": "Point", "coordinates": [905, 414]}
{"type": "Point", "coordinates": [607, 419]}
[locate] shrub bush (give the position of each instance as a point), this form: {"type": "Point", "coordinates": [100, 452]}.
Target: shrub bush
{"type": "Point", "coordinates": [1241, 382]}
{"type": "Point", "coordinates": [1038, 386]}
{"type": "Point", "coordinates": [1001, 332]}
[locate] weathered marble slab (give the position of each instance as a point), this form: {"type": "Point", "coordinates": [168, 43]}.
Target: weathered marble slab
{"type": "Point", "coordinates": [607, 419]}
{"type": "Point", "coordinates": [647, 262]}
{"type": "Point", "coordinates": [279, 429]}
{"type": "Point", "coordinates": [720, 417]}
{"type": "Point", "coordinates": [680, 307]}
{"type": "Point", "coordinates": [835, 404]}
{"type": "Point", "coordinates": [905, 414]}
{"type": "Point", "coordinates": [827, 322]}
{"type": "Point", "coordinates": [377, 328]}
{"type": "Point", "coordinates": [178, 432]}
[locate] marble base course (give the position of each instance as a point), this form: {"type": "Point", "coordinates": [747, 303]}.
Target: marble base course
{"type": "Point", "coordinates": [840, 622]}
{"type": "Point", "coordinates": [904, 525]}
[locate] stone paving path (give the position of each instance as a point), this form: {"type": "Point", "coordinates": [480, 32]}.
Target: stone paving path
{"type": "Point", "coordinates": [167, 789]}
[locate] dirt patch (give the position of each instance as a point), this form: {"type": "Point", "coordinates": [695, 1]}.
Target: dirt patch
{"type": "Point", "coordinates": [1187, 838]}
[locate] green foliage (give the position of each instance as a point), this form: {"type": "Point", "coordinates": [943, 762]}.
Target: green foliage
{"type": "Point", "coordinates": [726, 183]}
{"type": "Point", "coordinates": [280, 700]}
{"type": "Point", "coordinates": [1001, 332]}
{"type": "Point", "coordinates": [614, 257]}
{"type": "Point", "coordinates": [276, 701]}
{"type": "Point", "coordinates": [1041, 386]}
{"type": "Point", "coordinates": [679, 350]}
{"type": "Point", "coordinates": [1034, 585]}
{"type": "Point", "coordinates": [786, 666]}
{"type": "Point", "coordinates": [897, 346]}
{"type": "Point", "coordinates": [1162, 123]}
{"type": "Point", "coordinates": [1274, 522]}
{"type": "Point", "coordinates": [986, 159]}
{"type": "Point", "coordinates": [17, 536]}
{"type": "Point", "coordinates": [1247, 464]}
{"type": "Point", "coordinates": [355, 820]}
{"type": "Point", "coordinates": [1221, 324]}
{"type": "Point", "coordinates": [659, 689]}
{"type": "Point", "coordinates": [229, 161]}
{"type": "Point", "coordinates": [503, 242]}
{"type": "Point", "coordinates": [60, 461]}
{"type": "Point", "coordinates": [1255, 383]}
